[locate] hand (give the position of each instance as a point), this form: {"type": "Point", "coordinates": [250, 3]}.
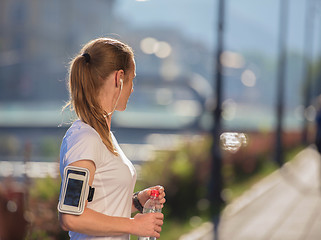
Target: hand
{"type": "Point", "coordinates": [144, 195]}
{"type": "Point", "coordinates": [148, 224]}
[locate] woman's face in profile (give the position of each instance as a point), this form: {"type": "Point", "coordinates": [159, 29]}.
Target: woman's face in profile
{"type": "Point", "coordinates": [128, 87]}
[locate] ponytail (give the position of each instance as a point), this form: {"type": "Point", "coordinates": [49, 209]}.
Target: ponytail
{"type": "Point", "coordinates": [87, 70]}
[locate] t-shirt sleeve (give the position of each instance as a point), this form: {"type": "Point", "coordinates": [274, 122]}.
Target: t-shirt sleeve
{"type": "Point", "coordinates": [80, 146]}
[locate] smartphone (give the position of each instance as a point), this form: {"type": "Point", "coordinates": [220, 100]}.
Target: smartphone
{"type": "Point", "coordinates": [74, 192]}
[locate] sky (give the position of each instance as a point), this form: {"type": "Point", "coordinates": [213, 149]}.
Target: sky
{"type": "Point", "coordinates": [198, 19]}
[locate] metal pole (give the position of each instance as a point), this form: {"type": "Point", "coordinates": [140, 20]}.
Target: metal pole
{"type": "Point", "coordinates": [317, 86]}
{"type": "Point", "coordinates": [307, 74]}
{"type": "Point", "coordinates": [216, 183]}
{"type": "Point", "coordinates": [281, 80]}
{"type": "Point", "coordinates": [315, 53]}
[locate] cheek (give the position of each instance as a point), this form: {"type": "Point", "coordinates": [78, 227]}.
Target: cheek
{"type": "Point", "coordinates": [125, 96]}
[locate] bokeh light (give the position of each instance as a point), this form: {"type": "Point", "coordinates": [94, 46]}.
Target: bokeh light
{"type": "Point", "coordinates": [248, 78]}
{"type": "Point", "coordinates": [151, 45]}
{"type": "Point", "coordinates": [232, 141]}
{"type": "Point", "coordinates": [232, 59]}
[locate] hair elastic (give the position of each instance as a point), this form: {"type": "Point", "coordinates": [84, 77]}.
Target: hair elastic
{"type": "Point", "coordinates": [86, 56]}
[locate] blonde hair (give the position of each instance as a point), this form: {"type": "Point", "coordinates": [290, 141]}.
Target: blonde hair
{"type": "Point", "coordinates": [87, 72]}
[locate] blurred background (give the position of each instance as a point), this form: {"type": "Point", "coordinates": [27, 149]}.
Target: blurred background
{"type": "Point", "coordinates": [269, 58]}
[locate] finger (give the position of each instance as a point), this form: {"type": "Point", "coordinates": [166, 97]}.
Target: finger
{"type": "Point", "coordinates": [159, 216]}
{"type": "Point", "coordinates": [159, 223]}
{"type": "Point", "coordinates": [157, 235]}
{"type": "Point", "coordinates": [160, 189]}
{"type": "Point", "coordinates": [158, 229]}
{"type": "Point", "coordinates": [162, 194]}
{"type": "Point", "coordinates": [161, 199]}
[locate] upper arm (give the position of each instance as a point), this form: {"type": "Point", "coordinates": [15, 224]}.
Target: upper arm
{"type": "Point", "coordinates": [89, 164]}
{"type": "Point", "coordinates": [66, 220]}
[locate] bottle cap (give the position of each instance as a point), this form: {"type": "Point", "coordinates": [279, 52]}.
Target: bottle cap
{"type": "Point", "coordinates": [154, 193]}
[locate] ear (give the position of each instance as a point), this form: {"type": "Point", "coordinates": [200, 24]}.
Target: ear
{"type": "Point", "coordinates": [119, 75]}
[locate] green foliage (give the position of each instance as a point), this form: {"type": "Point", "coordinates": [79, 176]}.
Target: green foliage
{"type": "Point", "coordinates": [184, 174]}
{"type": "Point", "coordinates": [50, 147]}
{"type": "Point", "coordinates": [45, 189]}
{"type": "Point", "coordinates": [43, 200]}
{"type": "Point", "coordinates": [38, 234]}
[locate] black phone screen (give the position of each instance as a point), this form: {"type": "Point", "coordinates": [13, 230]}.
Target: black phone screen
{"type": "Point", "coordinates": [73, 192]}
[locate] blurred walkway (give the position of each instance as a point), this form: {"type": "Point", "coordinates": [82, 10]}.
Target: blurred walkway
{"type": "Point", "coordinates": [284, 206]}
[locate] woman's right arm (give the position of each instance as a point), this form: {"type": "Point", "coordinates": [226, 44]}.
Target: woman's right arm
{"type": "Point", "coordinates": [93, 223]}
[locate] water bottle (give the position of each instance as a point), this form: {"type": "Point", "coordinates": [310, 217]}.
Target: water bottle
{"type": "Point", "coordinates": [151, 206]}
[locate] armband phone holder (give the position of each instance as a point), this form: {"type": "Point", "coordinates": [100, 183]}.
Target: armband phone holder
{"type": "Point", "coordinates": [75, 190]}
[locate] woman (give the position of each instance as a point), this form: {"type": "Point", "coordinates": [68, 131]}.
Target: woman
{"type": "Point", "coordinates": [100, 82]}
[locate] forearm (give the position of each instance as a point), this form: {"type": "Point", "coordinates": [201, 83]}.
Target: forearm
{"type": "Point", "coordinates": [96, 224]}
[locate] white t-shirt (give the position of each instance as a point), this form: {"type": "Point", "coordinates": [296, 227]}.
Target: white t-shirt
{"type": "Point", "coordinates": [114, 179]}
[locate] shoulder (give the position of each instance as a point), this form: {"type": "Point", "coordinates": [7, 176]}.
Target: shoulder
{"type": "Point", "coordinates": [81, 132]}
{"type": "Point", "coordinates": [81, 137]}
{"type": "Point", "coordinates": [81, 142]}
